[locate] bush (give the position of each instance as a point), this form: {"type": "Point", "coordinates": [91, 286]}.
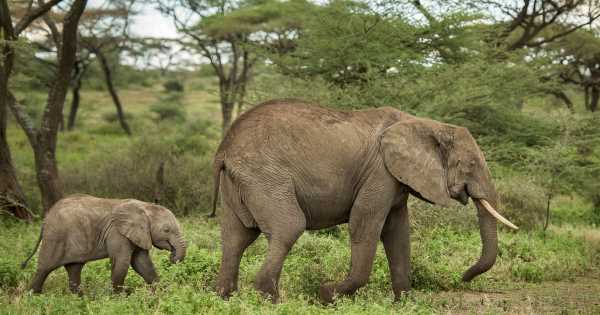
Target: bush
{"type": "Point", "coordinates": [9, 274]}
{"type": "Point", "coordinates": [168, 111]}
{"type": "Point", "coordinates": [173, 86]}
{"type": "Point", "coordinates": [131, 173]}
{"type": "Point", "coordinates": [169, 107]}
{"type": "Point", "coordinates": [522, 201]}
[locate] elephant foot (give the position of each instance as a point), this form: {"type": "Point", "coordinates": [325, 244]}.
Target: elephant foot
{"type": "Point", "coordinates": [268, 290]}
{"type": "Point", "coordinates": [122, 289]}
{"type": "Point", "coordinates": [327, 293]}
{"type": "Point", "coordinates": [401, 295]}
{"type": "Point", "coordinates": [77, 291]}
{"type": "Point", "coordinates": [225, 292]}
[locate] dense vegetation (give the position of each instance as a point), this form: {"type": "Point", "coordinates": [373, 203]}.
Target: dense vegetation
{"type": "Point", "coordinates": [531, 108]}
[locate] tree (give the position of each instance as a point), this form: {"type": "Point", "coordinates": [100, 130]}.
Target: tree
{"type": "Point", "coordinates": [104, 32]}
{"type": "Point", "coordinates": [11, 194]}
{"type": "Point", "coordinates": [563, 167]}
{"type": "Point", "coordinates": [579, 55]}
{"type": "Point", "coordinates": [43, 138]}
{"type": "Point", "coordinates": [227, 33]}
{"type": "Point", "coordinates": [524, 23]}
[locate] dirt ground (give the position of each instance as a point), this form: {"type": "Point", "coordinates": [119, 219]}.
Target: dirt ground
{"type": "Point", "coordinates": [580, 296]}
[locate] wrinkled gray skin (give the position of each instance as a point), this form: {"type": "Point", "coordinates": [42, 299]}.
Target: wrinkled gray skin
{"type": "Point", "coordinates": [286, 166]}
{"type": "Point", "coordinates": [82, 228]}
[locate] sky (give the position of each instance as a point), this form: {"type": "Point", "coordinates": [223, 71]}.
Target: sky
{"type": "Point", "coordinates": [149, 22]}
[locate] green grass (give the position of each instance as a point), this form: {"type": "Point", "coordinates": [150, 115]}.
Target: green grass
{"type": "Point", "coordinates": [439, 256]}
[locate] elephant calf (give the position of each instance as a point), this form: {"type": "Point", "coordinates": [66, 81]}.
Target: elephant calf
{"type": "Point", "coordinates": [82, 228]}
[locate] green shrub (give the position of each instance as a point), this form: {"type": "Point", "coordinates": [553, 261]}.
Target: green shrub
{"type": "Point", "coordinates": [173, 86]}
{"type": "Point", "coordinates": [168, 111]}
{"type": "Point", "coordinates": [522, 201]}
{"type": "Point", "coordinates": [9, 274]}
{"type": "Point", "coordinates": [132, 170]}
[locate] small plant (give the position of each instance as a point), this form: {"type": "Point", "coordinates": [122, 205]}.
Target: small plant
{"type": "Point", "coordinates": [168, 111]}
{"type": "Point", "coordinates": [111, 117]}
{"type": "Point", "coordinates": [173, 86]}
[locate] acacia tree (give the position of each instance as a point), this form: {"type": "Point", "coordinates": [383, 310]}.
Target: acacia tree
{"type": "Point", "coordinates": [579, 55]}
{"type": "Point", "coordinates": [104, 32]}
{"type": "Point", "coordinates": [43, 138]}
{"type": "Point", "coordinates": [228, 32]}
{"type": "Point", "coordinates": [11, 195]}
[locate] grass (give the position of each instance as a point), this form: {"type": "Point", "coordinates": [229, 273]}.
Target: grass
{"type": "Point", "coordinates": [534, 273]}
{"type": "Point", "coordinates": [439, 257]}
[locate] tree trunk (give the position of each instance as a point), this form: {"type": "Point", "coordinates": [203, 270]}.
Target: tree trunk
{"type": "Point", "coordinates": [547, 213]}
{"type": "Point", "coordinates": [595, 97]}
{"type": "Point", "coordinates": [12, 198]}
{"type": "Point", "coordinates": [227, 112]}
{"type": "Point", "coordinates": [74, 104]}
{"type": "Point", "coordinates": [43, 140]}
{"type": "Point", "coordinates": [47, 176]}
{"type": "Point", "coordinates": [562, 96]}
{"type": "Point", "coordinates": [586, 98]}
{"type": "Point", "coordinates": [77, 78]}
{"type": "Point", "coordinates": [112, 90]}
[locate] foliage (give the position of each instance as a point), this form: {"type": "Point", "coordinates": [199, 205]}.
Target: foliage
{"type": "Point", "coordinates": [173, 86]}
{"type": "Point", "coordinates": [169, 107]}
{"type": "Point", "coordinates": [133, 168]}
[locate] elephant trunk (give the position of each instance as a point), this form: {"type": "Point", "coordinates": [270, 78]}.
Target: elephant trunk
{"type": "Point", "coordinates": [178, 249]}
{"type": "Point", "coordinates": [489, 240]}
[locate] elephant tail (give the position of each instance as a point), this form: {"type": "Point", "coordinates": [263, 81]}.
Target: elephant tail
{"type": "Point", "coordinates": [37, 245]}
{"type": "Point", "coordinates": [218, 167]}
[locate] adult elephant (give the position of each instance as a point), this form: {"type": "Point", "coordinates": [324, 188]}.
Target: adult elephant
{"type": "Point", "coordinates": [286, 166]}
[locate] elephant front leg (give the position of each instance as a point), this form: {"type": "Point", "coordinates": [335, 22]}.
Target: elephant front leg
{"type": "Point", "coordinates": [142, 264]}
{"type": "Point", "coordinates": [396, 241]}
{"type": "Point", "coordinates": [361, 265]}
{"type": "Point", "coordinates": [120, 251]}
{"type": "Point", "coordinates": [367, 218]}
{"type": "Point", "coordinates": [120, 266]}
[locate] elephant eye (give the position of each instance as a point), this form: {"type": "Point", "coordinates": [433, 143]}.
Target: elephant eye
{"type": "Point", "coordinates": [166, 230]}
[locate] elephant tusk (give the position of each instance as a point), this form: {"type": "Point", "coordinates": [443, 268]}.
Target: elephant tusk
{"type": "Point", "coordinates": [497, 215]}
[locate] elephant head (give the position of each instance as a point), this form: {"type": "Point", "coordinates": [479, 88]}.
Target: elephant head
{"type": "Point", "coordinates": [441, 163]}
{"type": "Point", "coordinates": [147, 224]}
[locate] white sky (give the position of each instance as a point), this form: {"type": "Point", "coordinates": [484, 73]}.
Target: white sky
{"type": "Point", "coordinates": [148, 22]}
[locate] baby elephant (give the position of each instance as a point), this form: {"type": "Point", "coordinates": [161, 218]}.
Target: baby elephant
{"type": "Point", "coordinates": [82, 228]}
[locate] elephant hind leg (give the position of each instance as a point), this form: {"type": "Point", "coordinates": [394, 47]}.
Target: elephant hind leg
{"type": "Point", "coordinates": [74, 272]}
{"type": "Point", "coordinates": [40, 277]}
{"type": "Point", "coordinates": [283, 226]}
{"type": "Point", "coordinates": [49, 258]}
{"type": "Point", "coordinates": [235, 238]}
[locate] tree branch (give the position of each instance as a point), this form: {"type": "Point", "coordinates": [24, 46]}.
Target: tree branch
{"type": "Point", "coordinates": [33, 15]}
{"type": "Point", "coordinates": [22, 118]}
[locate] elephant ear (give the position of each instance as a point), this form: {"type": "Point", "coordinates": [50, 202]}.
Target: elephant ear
{"type": "Point", "coordinates": [415, 153]}
{"type": "Point", "coordinates": [133, 222]}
